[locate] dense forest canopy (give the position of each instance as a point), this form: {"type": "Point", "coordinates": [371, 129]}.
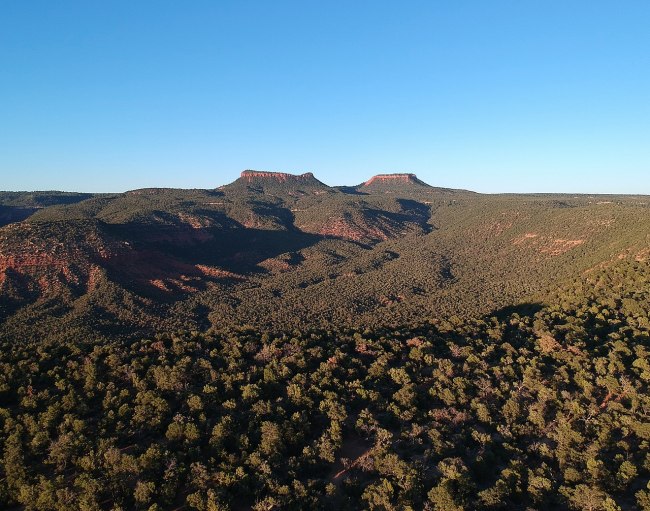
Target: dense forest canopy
{"type": "Point", "coordinates": [287, 345]}
{"type": "Point", "coordinates": [538, 407]}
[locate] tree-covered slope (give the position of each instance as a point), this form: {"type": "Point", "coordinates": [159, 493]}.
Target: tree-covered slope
{"type": "Point", "coordinates": [277, 251]}
{"type": "Point", "coordinates": [17, 206]}
{"type": "Point", "coordinates": [538, 406]}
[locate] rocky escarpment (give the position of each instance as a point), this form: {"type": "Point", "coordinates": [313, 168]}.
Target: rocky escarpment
{"type": "Point", "coordinates": [70, 259]}
{"type": "Point", "coordinates": [292, 184]}
{"type": "Point", "coordinates": [393, 179]}
{"type": "Point", "coordinates": [250, 176]}
{"type": "Point", "coordinates": [365, 223]}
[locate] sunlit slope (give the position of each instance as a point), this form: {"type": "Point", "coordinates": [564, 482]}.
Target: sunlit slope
{"type": "Point", "coordinates": [277, 252]}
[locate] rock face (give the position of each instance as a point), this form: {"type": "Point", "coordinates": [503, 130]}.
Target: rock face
{"type": "Point", "coordinates": [276, 182]}
{"type": "Point", "coordinates": [41, 260]}
{"type": "Point", "coordinates": [369, 224]}
{"type": "Point", "coordinates": [251, 176]}
{"type": "Point", "coordinates": [391, 179]}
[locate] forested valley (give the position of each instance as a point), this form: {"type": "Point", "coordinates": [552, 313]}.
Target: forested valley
{"type": "Point", "coordinates": [286, 345]}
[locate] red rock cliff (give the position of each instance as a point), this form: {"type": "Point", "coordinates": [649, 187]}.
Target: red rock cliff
{"type": "Point", "coordinates": [281, 177]}
{"type": "Point", "coordinates": [393, 178]}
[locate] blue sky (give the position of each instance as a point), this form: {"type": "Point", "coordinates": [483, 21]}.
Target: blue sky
{"type": "Point", "coordinates": [494, 96]}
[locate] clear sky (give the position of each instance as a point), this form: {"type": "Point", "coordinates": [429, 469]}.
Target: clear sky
{"type": "Point", "coordinates": [519, 95]}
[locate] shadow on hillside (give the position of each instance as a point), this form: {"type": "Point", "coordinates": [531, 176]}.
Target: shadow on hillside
{"type": "Point", "coordinates": [11, 214]}
{"type": "Point", "coordinates": [18, 290]}
{"type": "Point", "coordinates": [414, 207]}
{"type": "Point", "coordinates": [350, 190]}
{"type": "Point", "coordinates": [167, 261]}
{"type": "Point", "coordinates": [526, 309]}
{"type": "Point", "coordinates": [417, 210]}
{"type": "Point", "coordinates": [241, 250]}
{"type": "Point", "coordinates": [412, 216]}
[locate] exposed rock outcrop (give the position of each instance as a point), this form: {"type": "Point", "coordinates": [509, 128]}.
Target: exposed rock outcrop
{"type": "Point", "coordinates": [251, 176]}
{"type": "Point", "coordinates": [40, 260]}
{"type": "Point", "coordinates": [391, 179]}
{"type": "Point", "coordinates": [367, 225]}
{"type": "Point", "coordinates": [278, 182]}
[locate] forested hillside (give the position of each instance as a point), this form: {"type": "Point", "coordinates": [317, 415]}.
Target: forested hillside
{"type": "Point", "coordinates": [538, 406]}
{"type": "Point", "coordinates": [277, 343]}
{"type": "Point", "coordinates": [17, 206]}
{"type": "Point", "coordinates": [279, 251]}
